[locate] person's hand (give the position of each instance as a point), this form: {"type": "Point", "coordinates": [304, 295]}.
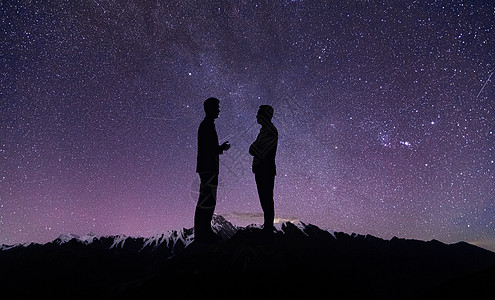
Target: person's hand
{"type": "Point", "coordinates": [225, 146]}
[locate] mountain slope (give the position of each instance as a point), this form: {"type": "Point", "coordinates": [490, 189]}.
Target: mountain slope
{"type": "Point", "coordinates": [307, 262]}
{"type": "Point", "coordinates": [299, 260]}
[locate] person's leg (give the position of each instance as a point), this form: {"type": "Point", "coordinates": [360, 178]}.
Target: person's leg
{"type": "Point", "coordinates": [265, 184]}
{"type": "Point", "coordinates": [206, 204]}
{"type": "Point", "coordinates": [199, 214]}
{"type": "Point", "coordinates": [211, 201]}
{"type": "Point", "coordinates": [269, 210]}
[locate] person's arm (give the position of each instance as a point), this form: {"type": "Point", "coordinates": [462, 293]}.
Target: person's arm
{"type": "Point", "coordinates": [223, 147]}
{"type": "Point", "coordinates": [256, 147]}
{"type": "Point", "coordinates": [264, 144]}
{"type": "Point", "coordinates": [251, 149]}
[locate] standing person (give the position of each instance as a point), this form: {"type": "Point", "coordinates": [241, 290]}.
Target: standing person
{"type": "Point", "coordinates": [263, 150]}
{"type": "Point", "coordinates": [207, 167]}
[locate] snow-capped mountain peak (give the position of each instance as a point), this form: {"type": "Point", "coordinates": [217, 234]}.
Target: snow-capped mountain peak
{"type": "Point", "coordinates": [170, 241]}
{"type": "Point", "coordinates": [85, 239]}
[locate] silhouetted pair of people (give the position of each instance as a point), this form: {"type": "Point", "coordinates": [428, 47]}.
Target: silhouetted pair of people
{"type": "Point", "coordinates": [263, 150]}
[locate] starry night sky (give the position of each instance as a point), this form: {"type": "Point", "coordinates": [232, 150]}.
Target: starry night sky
{"type": "Point", "coordinates": [385, 111]}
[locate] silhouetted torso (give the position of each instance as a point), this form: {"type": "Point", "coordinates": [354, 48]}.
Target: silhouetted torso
{"type": "Point", "coordinates": [264, 150]}
{"type": "Point", "coordinates": [208, 148]}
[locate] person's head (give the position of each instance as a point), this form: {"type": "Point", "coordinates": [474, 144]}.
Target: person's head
{"type": "Point", "coordinates": [265, 114]}
{"type": "Point", "coordinates": [212, 107]}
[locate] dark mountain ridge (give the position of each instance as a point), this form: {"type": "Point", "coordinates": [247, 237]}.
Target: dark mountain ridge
{"type": "Point", "coordinates": [299, 260]}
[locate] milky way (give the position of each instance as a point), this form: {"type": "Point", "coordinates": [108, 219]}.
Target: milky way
{"type": "Point", "coordinates": [385, 111]}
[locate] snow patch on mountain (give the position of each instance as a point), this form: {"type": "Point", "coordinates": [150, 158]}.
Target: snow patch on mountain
{"type": "Point", "coordinates": [301, 226]}
{"type": "Point", "coordinates": [170, 239]}
{"type": "Point", "coordinates": [118, 241]}
{"type": "Point", "coordinates": [8, 247]}
{"type": "Point", "coordinates": [85, 239]}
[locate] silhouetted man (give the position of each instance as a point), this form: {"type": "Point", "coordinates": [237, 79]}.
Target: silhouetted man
{"type": "Point", "coordinates": [207, 167]}
{"type": "Point", "coordinates": [263, 150]}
